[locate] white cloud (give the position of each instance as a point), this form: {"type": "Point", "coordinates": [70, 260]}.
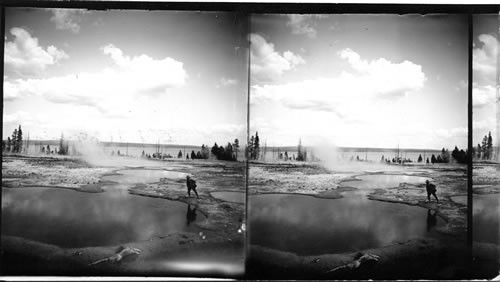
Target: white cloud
{"type": "Point", "coordinates": [67, 19]}
{"type": "Point", "coordinates": [26, 57]}
{"type": "Point", "coordinates": [484, 125]}
{"type": "Point", "coordinates": [385, 76]}
{"type": "Point", "coordinates": [17, 116]}
{"type": "Point", "coordinates": [452, 133]}
{"type": "Point", "coordinates": [485, 60]}
{"type": "Point", "coordinates": [304, 24]}
{"type": "Point", "coordinates": [223, 82]}
{"type": "Point", "coordinates": [347, 92]}
{"type": "Point", "coordinates": [268, 64]}
{"type": "Point", "coordinates": [483, 95]}
{"type": "Point", "coordinates": [112, 90]}
{"type": "Point", "coordinates": [362, 102]}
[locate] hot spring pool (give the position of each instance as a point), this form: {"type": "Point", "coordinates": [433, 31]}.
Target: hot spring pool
{"type": "Point", "coordinates": [307, 225]}
{"type": "Point", "coordinates": [69, 218]}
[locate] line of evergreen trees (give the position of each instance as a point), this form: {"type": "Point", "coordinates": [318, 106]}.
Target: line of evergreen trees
{"type": "Point", "coordinates": [485, 149]}
{"type": "Point", "coordinates": [14, 144]}
{"type": "Point", "coordinates": [227, 153]}
{"type": "Point", "coordinates": [459, 156]}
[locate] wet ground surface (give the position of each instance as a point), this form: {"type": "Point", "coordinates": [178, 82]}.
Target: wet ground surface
{"type": "Point", "coordinates": [229, 196]}
{"type": "Point", "coordinates": [164, 226]}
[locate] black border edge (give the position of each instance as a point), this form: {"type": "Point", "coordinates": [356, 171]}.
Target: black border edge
{"type": "Point", "coordinates": [263, 7]}
{"type": "Point", "coordinates": [469, 135]}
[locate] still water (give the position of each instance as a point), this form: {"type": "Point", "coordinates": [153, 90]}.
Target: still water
{"type": "Point", "coordinates": [307, 225]}
{"type": "Point", "coordinates": [383, 181]}
{"type": "Point", "coordinates": [486, 216]}
{"type": "Point", "coordinates": [74, 219]}
{"type": "Point", "coordinates": [128, 176]}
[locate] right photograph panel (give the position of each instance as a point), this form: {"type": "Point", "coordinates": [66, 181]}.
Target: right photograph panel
{"type": "Point", "coordinates": [486, 133]}
{"type": "Point", "coordinates": [357, 147]}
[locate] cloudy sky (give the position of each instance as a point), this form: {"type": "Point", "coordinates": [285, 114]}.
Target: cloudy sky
{"type": "Point", "coordinates": [136, 76]}
{"type": "Point", "coordinates": [484, 77]}
{"type": "Point", "coordinates": [360, 80]}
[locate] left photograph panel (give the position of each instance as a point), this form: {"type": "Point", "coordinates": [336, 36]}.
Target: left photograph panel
{"type": "Point", "coordinates": [123, 143]}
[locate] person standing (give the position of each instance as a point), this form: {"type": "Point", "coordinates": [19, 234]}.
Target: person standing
{"type": "Point", "coordinates": [191, 185]}
{"type": "Point", "coordinates": [431, 190]}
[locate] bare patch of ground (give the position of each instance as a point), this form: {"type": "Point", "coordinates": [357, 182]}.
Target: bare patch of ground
{"type": "Point", "coordinates": [296, 178]}
{"type": "Point", "coordinates": [69, 173]}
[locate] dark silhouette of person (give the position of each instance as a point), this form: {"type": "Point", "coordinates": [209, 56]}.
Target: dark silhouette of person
{"type": "Point", "coordinates": [431, 219]}
{"type": "Point", "coordinates": [191, 185]}
{"type": "Point", "coordinates": [431, 190]}
{"type": "Point", "coordinates": [190, 215]}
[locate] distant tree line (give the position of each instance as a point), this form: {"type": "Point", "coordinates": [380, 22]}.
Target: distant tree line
{"type": "Point", "coordinates": [225, 153]}
{"type": "Point", "coordinates": [14, 144]}
{"type": "Point", "coordinates": [459, 156]}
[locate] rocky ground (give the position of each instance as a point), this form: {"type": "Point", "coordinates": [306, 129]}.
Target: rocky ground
{"type": "Point", "coordinates": [222, 229]}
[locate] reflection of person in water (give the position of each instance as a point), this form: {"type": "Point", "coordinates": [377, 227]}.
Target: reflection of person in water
{"type": "Point", "coordinates": [431, 219]}
{"type": "Point", "coordinates": [431, 190]}
{"type": "Point", "coordinates": [191, 214]}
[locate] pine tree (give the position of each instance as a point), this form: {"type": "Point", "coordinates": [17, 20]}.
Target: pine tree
{"type": "Point", "coordinates": [433, 159]}
{"type": "Point", "coordinates": [489, 144]}
{"type": "Point", "coordinates": [193, 155]}
{"type": "Point", "coordinates": [256, 146]}
{"type": "Point", "coordinates": [62, 147]}
{"type": "Point", "coordinates": [479, 150]}
{"type": "Point", "coordinates": [14, 141]}
{"type": "Point", "coordinates": [236, 147]}
{"type": "Point", "coordinates": [455, 154]}
{"type": "Point", "coordinates": [9, 145]}
{"type": "Point", "coordinates": [300, 154]}
{"type": "Point", "coordinates": [179, 155]}
{"type": "Point", "coordinates": [419, 158]}
{"type": "Point", "coordinates": [215, 150]}
{"type": "Point", "coordinates": [205, 152]}
{"type": "Point", "coordinates": [19, 140]}
{"type": "Point", "coordinates": [250, 148]}
{"type": "Point", "coordinates": [484, 145]}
